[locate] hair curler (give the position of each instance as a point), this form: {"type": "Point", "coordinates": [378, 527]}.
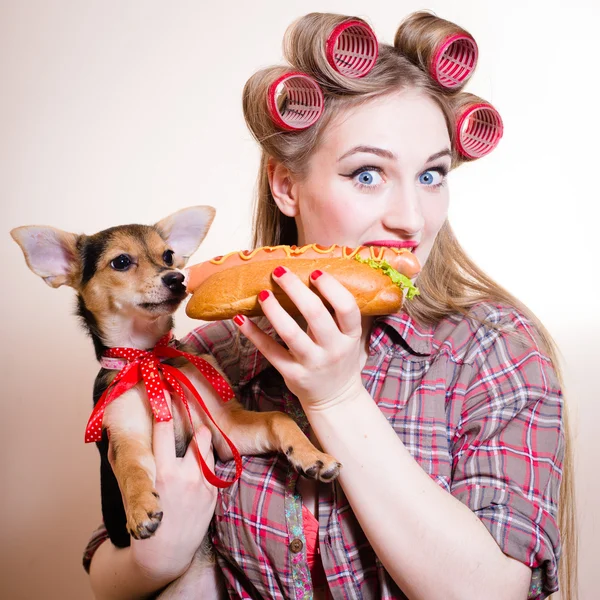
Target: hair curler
{"type": "Point", "coordinates": [295, 101]}
{"type": "Point", "coordinates": [479, 129]}
{"type": "Point", "coordinates": [352, 49]}
{"type": "Point", "coordinates": [441, 48]}
{"type": "Point", "coordinates": [454, 60]}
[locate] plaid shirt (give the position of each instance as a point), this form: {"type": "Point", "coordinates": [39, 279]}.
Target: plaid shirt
{"type": "Point", "coordinates": [473, 400]}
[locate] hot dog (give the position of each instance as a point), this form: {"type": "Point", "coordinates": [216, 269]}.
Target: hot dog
{"type": "Point", "coordinates": [378, 277]}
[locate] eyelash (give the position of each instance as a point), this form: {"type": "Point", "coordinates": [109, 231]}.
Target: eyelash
{"type": "Point", "coordinates": [441, 169]}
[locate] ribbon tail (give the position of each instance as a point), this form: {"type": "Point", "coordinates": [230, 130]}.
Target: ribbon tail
{"type": "Point", "coordinates": [210, 477]}
{"type": "Point", "coordinates": [155, 390]}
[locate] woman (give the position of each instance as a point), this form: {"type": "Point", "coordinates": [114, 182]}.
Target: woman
{"type": "Point", "coordinates": [447, 417]}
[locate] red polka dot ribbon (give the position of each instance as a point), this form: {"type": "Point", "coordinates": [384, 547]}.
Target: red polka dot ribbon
{"type": "Point", "coordinates": [146, 366]}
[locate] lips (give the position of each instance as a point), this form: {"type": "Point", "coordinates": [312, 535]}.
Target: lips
{"type": "Point", "coordinates": [408, 245]}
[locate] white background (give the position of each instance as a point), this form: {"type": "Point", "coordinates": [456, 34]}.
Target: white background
{"type": "Point", "coordinates": [114, 112]}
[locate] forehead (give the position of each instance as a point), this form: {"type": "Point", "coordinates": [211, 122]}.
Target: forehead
{"type": "Point", "coordinates": [407, 122]}
{"type": "Point", "coordinates": [135, 240]}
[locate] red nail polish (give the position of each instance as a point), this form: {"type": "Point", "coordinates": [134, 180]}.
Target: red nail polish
{"type": "Point", "coordinates": [316, 274]}
{"type": "Point", "coordinates": [279, 271]}
{"type": "Point", "coordinates": [263, 295]}
{"type": "Point", "coordinates": [238, 320]}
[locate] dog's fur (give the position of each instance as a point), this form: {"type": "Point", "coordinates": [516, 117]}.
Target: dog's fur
{"type": "Point", "coordinates": [129, 284]}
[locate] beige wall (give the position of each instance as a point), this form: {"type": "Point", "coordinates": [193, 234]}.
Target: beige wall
{"type": "Point", "coordinates": [115, 112]}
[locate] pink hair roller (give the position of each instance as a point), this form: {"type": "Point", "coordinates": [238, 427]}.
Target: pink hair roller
{"type": "Point", "coordinates": [304, 101]}
{"type": "Point", "coordinates": [352, 49]}
{"type": "Point", "coordinates": [454, 60]}
{"type": "Point", "coordinates": [479, 128]}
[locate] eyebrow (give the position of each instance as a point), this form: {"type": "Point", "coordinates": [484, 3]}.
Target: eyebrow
{"type": "Point", "coordinates": [388, 154]}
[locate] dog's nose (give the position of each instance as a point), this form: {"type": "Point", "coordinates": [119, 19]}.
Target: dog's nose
{"type": "Point", "coordinates": [174, 281]}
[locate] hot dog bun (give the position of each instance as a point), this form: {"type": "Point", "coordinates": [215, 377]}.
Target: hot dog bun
{"type": "Point", "coordinates": [220, 291]}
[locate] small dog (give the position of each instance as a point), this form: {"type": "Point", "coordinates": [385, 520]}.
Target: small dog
{"type": "Point", "coordinates": [129, 284]}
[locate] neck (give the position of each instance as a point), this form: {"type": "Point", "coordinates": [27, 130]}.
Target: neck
{"type": "Point", "coordinates": [129, 330]}
{"type": "Point", "coordinates": [137, 332]}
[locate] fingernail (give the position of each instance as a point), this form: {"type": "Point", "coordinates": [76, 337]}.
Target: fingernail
{"type": "Point", "coordinates": [263, 295]}
{"type": "Point", "coordinates": [316, 274]}
{"type": "Point", "coordinates": [279, 271]}
{"type": "Point", "coordinates": [239, 320]}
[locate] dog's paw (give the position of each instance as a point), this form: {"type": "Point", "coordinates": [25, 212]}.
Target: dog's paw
{"type": "Point", "coordinates": [143, 515]}
{"type": "Point", "coordinates": [314, 464]}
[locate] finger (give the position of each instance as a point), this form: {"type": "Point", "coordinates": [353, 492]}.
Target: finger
{"type": "Point", "coordinates": [347, 313]}
{"type": "Point", "coordinates": [320, 321]}
{"type": "Point", "coordinates": [200, 444]}
{"type": "Point", "coordinates": [297, 341]}
{"type": "Point", "coordinates": [278, 356]}
{"type": "Point", "coordinates": [163, 439]}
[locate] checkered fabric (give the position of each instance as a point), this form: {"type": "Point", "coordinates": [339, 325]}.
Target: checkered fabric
{"type": "Point", "coordinates": [473, 399]}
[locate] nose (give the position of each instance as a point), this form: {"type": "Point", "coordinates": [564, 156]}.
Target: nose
{"type": "Point", "coordinates": [174, 281]}
{"type": "Point", "coordinates": [403, 212]}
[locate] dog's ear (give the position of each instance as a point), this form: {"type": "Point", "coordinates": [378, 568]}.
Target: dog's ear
{"type": "Point", "coordinates": [49, 252]}
{"type": "Point", "coordinates": [185, 229]}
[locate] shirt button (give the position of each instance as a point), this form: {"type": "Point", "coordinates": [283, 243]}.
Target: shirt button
{"type": "Point", "coordinates": [296, 545]}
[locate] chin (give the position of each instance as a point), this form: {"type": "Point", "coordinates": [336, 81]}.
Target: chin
{"type": "Point", "coordinates": [160, 308]}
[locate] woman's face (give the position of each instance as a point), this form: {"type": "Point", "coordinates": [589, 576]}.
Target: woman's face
{"type": "Point", "coordinates": [378, 177]}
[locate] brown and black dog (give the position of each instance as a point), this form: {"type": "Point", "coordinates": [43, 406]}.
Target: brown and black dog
{"type": "Point", "coordinates": [129, 284]}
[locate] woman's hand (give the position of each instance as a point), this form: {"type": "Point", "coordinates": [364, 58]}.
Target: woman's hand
{"type": "Point", "coordinates": [321, 365]}
{"type": "Point", "coordinates": [187, 501]}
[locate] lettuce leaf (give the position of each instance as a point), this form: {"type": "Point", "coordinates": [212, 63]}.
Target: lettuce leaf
{"type": "Point", "coordinates": [402, 281]}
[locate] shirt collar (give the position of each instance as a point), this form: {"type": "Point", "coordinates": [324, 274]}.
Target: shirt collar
{"type": "Point", "coordinates": [417, 341]}
{"type": "Point", "coordinates": [417, 338]}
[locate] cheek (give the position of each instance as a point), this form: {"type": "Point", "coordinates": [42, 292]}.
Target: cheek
{"type": "Point", "coordinates": [435, 213]}
{"type": "Point", "coordinates": [326, 214]}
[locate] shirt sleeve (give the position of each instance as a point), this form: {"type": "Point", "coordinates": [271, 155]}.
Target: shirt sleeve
{"type": "Point", "coordinates": [99, 536]}
{"type": "Point", "coordinates": [223, 342]}
{"type": "Point", "coordinates": [509, 445]}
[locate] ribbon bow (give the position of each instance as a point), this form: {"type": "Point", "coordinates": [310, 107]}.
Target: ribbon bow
{"type": "Point", "coordinates": [146, 366]}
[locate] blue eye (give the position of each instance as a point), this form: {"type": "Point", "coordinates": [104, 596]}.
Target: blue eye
{"type": "Point", "coordinates": [431, 178]}
{"type": "Point", "coordinates": [368, 178]}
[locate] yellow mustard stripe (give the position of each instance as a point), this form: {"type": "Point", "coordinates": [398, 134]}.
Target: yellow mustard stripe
{"type": "Point", "coordinates": [377, 252]}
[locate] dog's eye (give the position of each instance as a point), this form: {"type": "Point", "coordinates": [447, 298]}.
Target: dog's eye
{"type": "Point", "coordinates": [121, 263]}
{"type": "Point", "coordinates": [168, 257]}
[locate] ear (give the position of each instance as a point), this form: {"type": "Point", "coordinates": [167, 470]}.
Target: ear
{"type": "Point", "coordinates": [49, 252]}
{"type": "Point", "coordinates": [185, 229]}
{"type": "Point", "coordinates": [282, 187]}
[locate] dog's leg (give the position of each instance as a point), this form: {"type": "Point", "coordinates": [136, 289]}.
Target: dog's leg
{"type": "Point", "coordinates": [129, 421]}
{"type": "Point", "coordinates": [259, 433]}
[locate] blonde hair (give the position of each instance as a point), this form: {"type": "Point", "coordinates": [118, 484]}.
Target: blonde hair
{"type": "Point", "coordinates": [450, 281]}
